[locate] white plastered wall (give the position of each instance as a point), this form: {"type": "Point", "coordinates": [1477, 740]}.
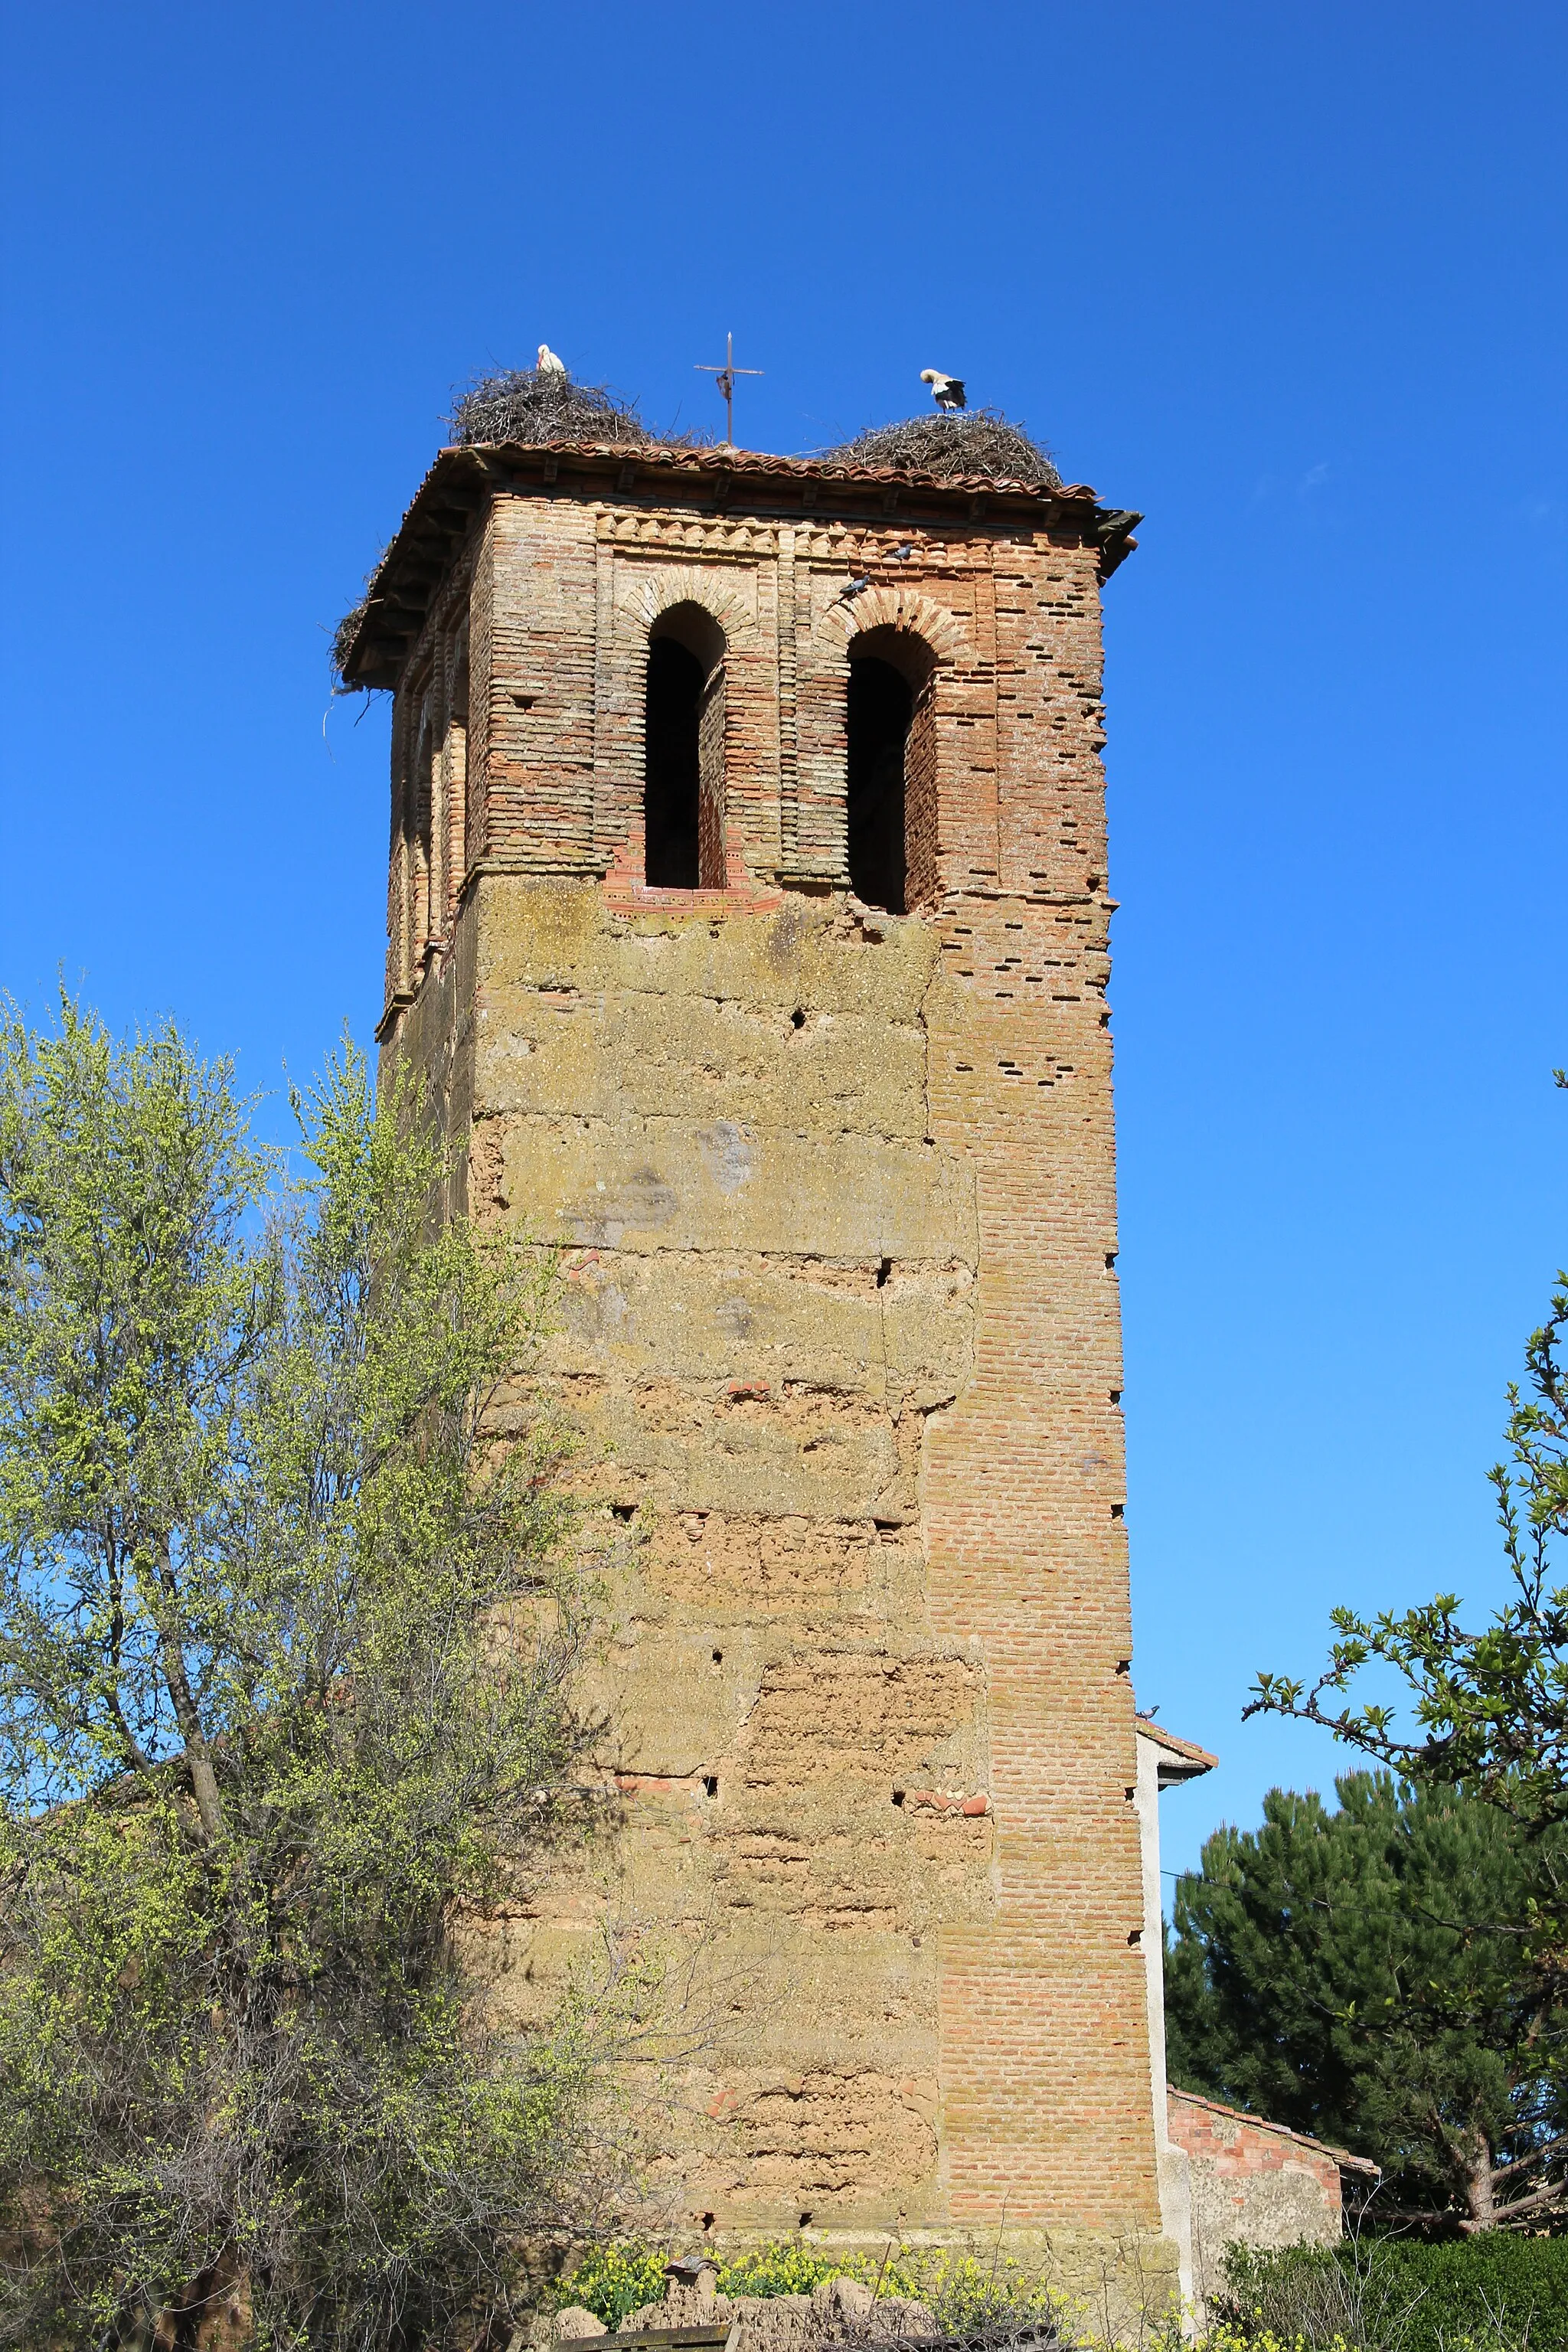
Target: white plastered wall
{"type": "Point", "coordinates": [1175, 2194]}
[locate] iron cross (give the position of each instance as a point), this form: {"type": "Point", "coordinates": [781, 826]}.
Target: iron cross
{"type": "Point", "coordinates": [725, 383]}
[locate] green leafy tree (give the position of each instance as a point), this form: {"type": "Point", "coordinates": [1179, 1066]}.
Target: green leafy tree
{"type": "Point", "coordinates": [1340, 1972]}
{"type": "Point", "coordinates": [287, 1648]}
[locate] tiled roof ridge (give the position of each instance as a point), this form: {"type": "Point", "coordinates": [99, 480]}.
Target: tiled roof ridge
{"type": "Point", "coordinates": [1186, 1749]}
{"type": "Point", "coordinates": [465, 468]}
{"type": "Point", "coordinates": [1285, 2131]}
{"type": "Point", "coordinates": [720, 458]}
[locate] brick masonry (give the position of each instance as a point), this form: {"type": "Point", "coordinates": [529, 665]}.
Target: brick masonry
{"type": "Point", "coordinates": [840, 1324]}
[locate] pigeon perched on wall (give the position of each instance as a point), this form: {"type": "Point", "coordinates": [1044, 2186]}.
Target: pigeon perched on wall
{"type": "Point", "coordinates": [947, 390]}
{"type": "Point", "coordinates": [549, 365]}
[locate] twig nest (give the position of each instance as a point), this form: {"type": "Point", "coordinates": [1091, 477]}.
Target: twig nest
{"type": "Point", "coordinates": [979, 441]}
{"type": "Point", "coordinates": [344, 635]}
{"type": "Point", "coordinates": [542, 404]}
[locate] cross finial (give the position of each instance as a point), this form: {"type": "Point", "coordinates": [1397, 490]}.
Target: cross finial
{"type": "Point", "coordinates": [725, 384]}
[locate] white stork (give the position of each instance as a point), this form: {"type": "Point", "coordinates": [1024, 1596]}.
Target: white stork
{"type": "Point", "coordinates": [947, 390]}
{"type": "Point", "coordinates": [549, 365]}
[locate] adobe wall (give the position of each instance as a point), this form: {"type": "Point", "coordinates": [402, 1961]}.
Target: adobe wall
{"type": "Point", "coordinates": [840, 1330]}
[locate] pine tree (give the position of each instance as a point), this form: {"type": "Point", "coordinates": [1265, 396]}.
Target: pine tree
{"type": "Point", "coordinates": [1342, 1971]}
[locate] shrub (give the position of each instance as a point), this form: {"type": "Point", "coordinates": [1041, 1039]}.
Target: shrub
{"type": "Point", "coordinates": [962, 2291]}
{"type": "Point", "coordinates": [1497, 2293]}
{"type": "Point", "coordinates": [788, 2267]}
{"type": "Point", "coordinates": [613, 2279]}
{"type": "Point", "coordinates": [626, 2274]}
{"type": "Point", "coordinates": [1486, 2289]}
{"type": "Point", "coordinates": [966, 2291]}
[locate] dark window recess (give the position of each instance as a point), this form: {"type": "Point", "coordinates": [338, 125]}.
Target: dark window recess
{"type": "Point", "coordinates": [710, 1784]}
{"type": "Point", "coordinates": [880, 708]}
{"type": "Point", "coordinates": [674, 788]}
{"type": "Point", "coordinates": [683, 804]}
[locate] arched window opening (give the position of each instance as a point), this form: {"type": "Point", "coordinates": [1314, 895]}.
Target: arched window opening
{"type": "Point", "coordinates": [892, 771]}
{"type": "Point", "coordinates": [673, 787]}
{"type": "Point", "coordinates": [458, 774]}
{"type": "Point", "coordinates": [683, 804]}
{"type": "Point", "coordinates": [880, 705]}
{"type": "Point", "coordinates": [425, 915]}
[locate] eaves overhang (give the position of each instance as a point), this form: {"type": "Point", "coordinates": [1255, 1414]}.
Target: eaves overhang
{"type": "Point", "coordinates": [374, 644]}
{"type": "Point", "coordinates": [1176, 1759]}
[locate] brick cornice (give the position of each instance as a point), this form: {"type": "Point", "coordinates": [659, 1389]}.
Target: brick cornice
{"type": "Point", "coordinates": [730, 482]}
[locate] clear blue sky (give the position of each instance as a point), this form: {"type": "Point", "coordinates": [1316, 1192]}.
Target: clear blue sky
{"type": "Point", "coordinates": [1289, 278]}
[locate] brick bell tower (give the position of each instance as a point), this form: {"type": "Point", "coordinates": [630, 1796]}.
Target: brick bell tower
{"type": "Point", "coordinates": [748, 911]}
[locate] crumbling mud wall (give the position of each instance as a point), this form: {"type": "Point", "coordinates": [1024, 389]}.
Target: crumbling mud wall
{"type": "Point", "coordinates": [770, 1289]}
{"type": "Point", "coordinates": [839, 1329]}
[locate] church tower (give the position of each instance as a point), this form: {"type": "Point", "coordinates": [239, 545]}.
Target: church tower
{"type": "Point", "coordinates": [748, 913]}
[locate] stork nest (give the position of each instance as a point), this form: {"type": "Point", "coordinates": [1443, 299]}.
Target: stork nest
{"type": "Point", "coordinates": [972, 441]}
{"type": "Point", "coordinates": [343, 637]}
{"type": "Point", "coordinates": [539, 404]}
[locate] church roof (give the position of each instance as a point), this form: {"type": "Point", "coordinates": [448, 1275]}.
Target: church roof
{"type": "Point", "coordinates": [373, 640]}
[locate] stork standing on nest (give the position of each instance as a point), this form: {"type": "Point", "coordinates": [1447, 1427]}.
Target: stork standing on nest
{"type": "Point", "coordinates": [947, 390]}
{"type": "Point", "coordinates": [549, 365]}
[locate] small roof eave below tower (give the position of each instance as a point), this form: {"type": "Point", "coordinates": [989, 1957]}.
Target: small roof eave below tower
{"type": "Point", "coordinates": [375, 640]}
{"type": "Point", "coordinates": [1177, 1759]}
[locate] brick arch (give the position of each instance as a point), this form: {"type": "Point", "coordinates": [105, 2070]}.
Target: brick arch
{"type": "Point", "coordinates": [868, 621]}
{"type": "Point", "coordinates": [895, 608]}
{"type": "Point", "coordinates": [687, 583]}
